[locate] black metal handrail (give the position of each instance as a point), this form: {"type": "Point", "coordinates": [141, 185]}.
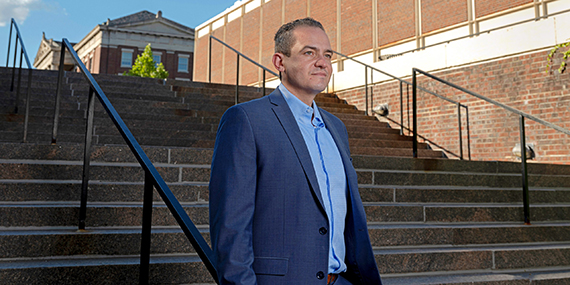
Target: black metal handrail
{"type": "Point", "coordinates": [522, 117]}
{"type": "Point", "coordinates": [402, 126]}
{"type": "Point", "coordinates": [239, 54]}
{"type": "Point", "coordinates": [152, 177]}
{"type": "Point", "coordinates": [23, 53]}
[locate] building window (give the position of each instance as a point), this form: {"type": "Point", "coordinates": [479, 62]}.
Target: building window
{"type": "Point", "coordinates": [126, 58]}
{"type": "Point", "coordinates": [156, 58]}
{"type": "Point", "coordinates": [183, 63]}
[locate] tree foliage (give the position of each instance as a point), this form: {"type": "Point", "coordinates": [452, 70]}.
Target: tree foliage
{"type": "Point", "coordinates": [145, 66]}
{"type": "Point", "coordinates": [565, 56]}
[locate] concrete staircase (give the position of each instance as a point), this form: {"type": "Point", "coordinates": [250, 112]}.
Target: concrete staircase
{"type": "Point", "coordinates": [432, 221]}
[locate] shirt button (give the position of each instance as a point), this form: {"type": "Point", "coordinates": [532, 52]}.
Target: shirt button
{"type": "Point", "coordinates": [320, 275]}
{"type": "Point", "coordinates": [323, 231]}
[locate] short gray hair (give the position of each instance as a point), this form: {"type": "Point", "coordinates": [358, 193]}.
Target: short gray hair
{"type": "Point", "coordinates": [284, 39]}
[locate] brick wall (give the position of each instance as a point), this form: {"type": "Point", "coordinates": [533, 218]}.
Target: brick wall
{"type": "Point", "coordinates": [356, 23]}
{"type": "Point", "coordinates": [233, 39]}
{"type": "Point", "coordinates": [271, 22]}
{"type": "Point", "coordinates": [251, 28]}
{"type": "Point", "coordinates": [396, 21]}
{"type": "Point", "coordinates": [519, 82]}
{"type": "Point", "coordinates": [201, 60]}
{"type": "Point", "coordinates": [325, 12]}
{"type": "Point", "coordinates": [483, 8]}
{"type": "Point", "coordinates": [437, 14]}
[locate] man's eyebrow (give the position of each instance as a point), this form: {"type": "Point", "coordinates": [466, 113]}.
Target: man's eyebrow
{"type": "Point", "coordinates": [315, 48]}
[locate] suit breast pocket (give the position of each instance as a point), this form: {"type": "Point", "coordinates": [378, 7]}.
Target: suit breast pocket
{"type": "Point", "coordinates": [270, 265]}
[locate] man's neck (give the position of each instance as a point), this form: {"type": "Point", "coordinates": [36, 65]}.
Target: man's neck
{"type": "Point", "coordinates": [305, 98]}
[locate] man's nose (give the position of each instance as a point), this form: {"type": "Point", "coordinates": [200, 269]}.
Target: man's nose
{"type": "Point", "coordinates": [322, 61]}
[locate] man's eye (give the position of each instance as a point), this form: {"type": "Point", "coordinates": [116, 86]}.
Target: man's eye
{"type": "Point", "coordinates": [328, 56]}
{"type": "Point", "coordinates": [309, 52]}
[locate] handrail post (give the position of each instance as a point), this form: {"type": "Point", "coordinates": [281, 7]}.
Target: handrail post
{"type": "Point", "coordinates": [263, 88]}
{"type": "Point", "coordinates": [87, 158]}
{"type": "Point", "coordinates": [459, 131]}
{"type": "Point", "coordinates": [210, 59]}
{"type": "Point", "coordinates": [526, 203]}
{"type": "Point", "coordinates": [366, 90]}
{"type": "Point", "coordinates": [58, 94]}
{"type": "Point", "coordinates": [19, 82]}
{"type": "Point", "coordinates": [28, 98]}
{"type": "Point", "coordinates": [401, 108]}
{"type": "Point", "coordinates": [237, 80]}
{"type": "Point", "coordinates": [9, 42]}
{"type": "Point", "coordinates": [146, 229]}
{"type": "Point", "coordinates": [14, 65]}
{"type": "Point", "coordinates": [414, 113]}
{"type": "Point", "coordinates": [468, 132]}
{"type": "Point", "coordinates": [372, 90]}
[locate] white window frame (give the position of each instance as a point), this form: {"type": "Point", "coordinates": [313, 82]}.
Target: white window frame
{"type": "Point", "coordinates": [157, 54]}
{"type": "Point", "coordinates": [123, 58]}
{"type": "Point", "coordinates": [187, 57]}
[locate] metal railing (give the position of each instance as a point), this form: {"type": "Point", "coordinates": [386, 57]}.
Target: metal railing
{"type": "Point", "coordinates": [24, 54]}
{"type": "Point", "coordinates": [521, 115]}
{"type": "Point", "coordinates": [414, 127]}
{"type": "Point", "coordinates": [239, 54]}
{"type": "Point", "coordinates": [152, 177]}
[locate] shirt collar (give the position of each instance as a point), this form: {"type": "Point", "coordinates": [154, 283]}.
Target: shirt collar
{"type": "Point", "coordinates": [301, 111]}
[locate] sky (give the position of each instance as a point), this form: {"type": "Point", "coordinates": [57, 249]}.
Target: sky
{"type": "Point", "coordinates": [74, 19]}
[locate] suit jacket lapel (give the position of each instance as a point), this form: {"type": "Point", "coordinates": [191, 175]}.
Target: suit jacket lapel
{"type": "Point", "coordinates": [285, 117]}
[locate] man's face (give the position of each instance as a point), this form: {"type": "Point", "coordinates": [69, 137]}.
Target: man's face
{"type": "Point", "coordinates": [308, 70]}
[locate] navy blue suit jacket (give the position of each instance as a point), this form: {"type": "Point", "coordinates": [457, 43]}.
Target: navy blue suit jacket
{"type": "Point", "coordinates": [267, 220]}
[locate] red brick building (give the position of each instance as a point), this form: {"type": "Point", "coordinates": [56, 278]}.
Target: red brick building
{"type": "Point", "coordinates": [494, 48]}
{"type": "Point", "coordinates": [112, 47]}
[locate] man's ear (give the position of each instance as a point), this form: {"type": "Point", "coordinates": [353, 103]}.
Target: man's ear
{"type": "Point", "coordinates": [277, 60]}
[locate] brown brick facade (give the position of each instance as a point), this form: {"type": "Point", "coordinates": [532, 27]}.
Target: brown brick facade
{"type": "Point", "coordinates": [396, 21]}
{"type": "Point", "coordinates": [437, 14]}
{"type": "Point", "coordinates": [519, 82]}
{"type": "Point", "coordinates": [484, 8]}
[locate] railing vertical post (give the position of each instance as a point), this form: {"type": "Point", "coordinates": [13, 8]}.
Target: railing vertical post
{"type": "Point", "coordinates": [14, 65]}
{"type": "Point", "coordinates": [366, 90]}
{"type": "Point", "coordinates": [526, 203]}
{"type": "Point", "coordinates": [468, 132]}
{"type": "Point", "coordinates": [19, 82]}
{"type": "Point", "coordinates": [408, 105]}
{"type": "Point", "coordinates": [372, 90]}
{"type": "Point", "coordinates": [28, 98]}
{"type": "Point", "coordinates": [210, 59]}
{"type": "Point", "coordinates": [459, 131]}
{"type": "Point", "coordinates": [414, 113]}
{"type": "Point", "coordinates": [401, 108]}
{"type": "Point", "coordinates": [87, 158]}
{"type": "Point", "coordinates": [263, 88]}
{"type": "Point", "coordinates": [146, 229]}
{"type": "Point", "coordinates": [9, 43]}
{"type": "Point", "coordinates": [237, 80]}
{"type": "Point", "coordinates": [58, 93]}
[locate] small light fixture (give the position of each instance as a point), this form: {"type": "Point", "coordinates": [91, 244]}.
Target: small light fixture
{"type": "Point", "coordinates": [530, 153]}
{"type": "Point", "coordinates": [381, 110]}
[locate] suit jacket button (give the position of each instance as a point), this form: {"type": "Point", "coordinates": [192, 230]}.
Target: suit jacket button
{"type": "Point", "coordinates": [323, 231]}
{"type": "Point", "coordinates": [320, 275]}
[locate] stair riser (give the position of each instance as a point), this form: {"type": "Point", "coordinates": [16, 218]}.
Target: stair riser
{"type": "Point", "coordinates": [96, 216]}
{"type": "Point", "coordinates": [454, 179]}
{"type": "Point", "coordinates": [21, 192]}
{"type": "Point", "coordinates": [448, 236]}
{"type": "Point", "coordinates": [163, 273]}
{"type": "Point", "coordinates": [105, 153]}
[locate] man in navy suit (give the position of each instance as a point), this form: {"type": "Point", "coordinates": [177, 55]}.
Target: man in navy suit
{"type": "Point", "coordinates": [284, 200]}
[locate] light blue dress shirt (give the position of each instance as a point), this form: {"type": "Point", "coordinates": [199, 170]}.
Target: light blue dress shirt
{"type": "Point", "coordinates": [329, 170]}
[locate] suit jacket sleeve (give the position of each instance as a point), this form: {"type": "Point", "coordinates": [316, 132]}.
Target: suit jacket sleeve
{"type": "Point", "coordinates": [232, 198]}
